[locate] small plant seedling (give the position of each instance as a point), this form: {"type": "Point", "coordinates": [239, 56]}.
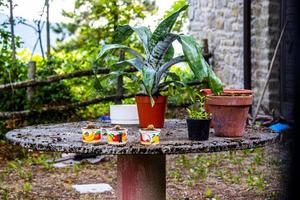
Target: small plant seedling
{"type": "Point", "coordinates": [42, 160]}
{"type": "Point", "coordinates": [150, 127]}
{"type": "Point", "coordinates": [90, 125]}
{"type": "Point", "coordinates": [76, 168]}
{"type": "Point", "coordinates": [185, 161]}
{"type": "Point", "coordinates": [26, 187]}
{"type": "Point", "coordinates": [197, 111]}
{"type": "Point", "coordinates": [208, 193]}
{"type": "Point", "coordinates": [176, 174]}
{"type": "Point", "coordinates": [117, 127]}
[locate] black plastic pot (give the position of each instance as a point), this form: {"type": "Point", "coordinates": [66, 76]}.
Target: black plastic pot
{"type": "Point", "coordinates": [198, 129]}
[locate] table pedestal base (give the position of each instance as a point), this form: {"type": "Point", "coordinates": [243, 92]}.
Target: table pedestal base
{"type": "Point", "coordinates": [141, 177]}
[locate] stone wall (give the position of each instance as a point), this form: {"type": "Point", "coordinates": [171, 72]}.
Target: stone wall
{"type": "Point", "coordinates": [221, 22]}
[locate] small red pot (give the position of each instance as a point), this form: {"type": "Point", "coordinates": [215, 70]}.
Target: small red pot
{"type": "Point", "coordinates": [229, 113]}
{"type": "Point", "coordinates": [151, 115]}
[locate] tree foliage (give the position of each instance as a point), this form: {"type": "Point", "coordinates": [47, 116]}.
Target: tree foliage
{"type": "Point", "coordinates": [93, 22]}
{"type": "Point", "coordinates": [179, 24]}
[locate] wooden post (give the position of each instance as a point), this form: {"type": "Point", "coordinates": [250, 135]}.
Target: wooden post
{"type": "Point", "coordinates": [141, 177]}
{"type": "Point", "coordinates": [48, 28]}
{"type": "Point", "coordinates": [206, 54]}
{"type": "Point", "coordinates": [31, 76]}
{"type": "Point", "coordinates": [120, 82]}
{"type": "Point", "coordinates": [205, 46]}
{"type": "Point", "coordinates": [247, 43]}
{"type": "Point", "coordinates": [12, 30]}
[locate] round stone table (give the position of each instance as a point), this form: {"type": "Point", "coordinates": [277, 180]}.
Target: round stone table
{"type": "Point", "coordinates": [141, 170]}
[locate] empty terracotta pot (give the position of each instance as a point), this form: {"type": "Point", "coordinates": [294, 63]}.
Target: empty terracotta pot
{"type": "Point", "coordinates": [151, 115]}
{"type": "Point", "coordinates": [229, 113]}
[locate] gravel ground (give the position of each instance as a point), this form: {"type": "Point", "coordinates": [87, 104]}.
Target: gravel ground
{"type": "Point", "coordinates": [247, 174]}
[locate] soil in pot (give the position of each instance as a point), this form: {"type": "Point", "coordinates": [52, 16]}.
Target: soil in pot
{"type": "Point", "coordinates": [229, 114]}
{"type": "Point", "coordinates": [198, 129]}
{"type": "Point", "coordinates": [151, 115]}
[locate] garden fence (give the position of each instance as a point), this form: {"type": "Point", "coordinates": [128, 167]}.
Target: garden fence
{"type": "Point", "coordinates": [32, 82]}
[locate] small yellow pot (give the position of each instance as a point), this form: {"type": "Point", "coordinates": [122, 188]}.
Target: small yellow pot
{"type": "Point", "coordinates": [90, 135]}
{"type": "Point", "coordinates": [149, 137]}
{"type": "Point", "coordinates": [117, 137]}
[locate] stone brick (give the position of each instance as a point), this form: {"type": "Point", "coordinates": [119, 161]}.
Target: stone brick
{"type": "Point", "coordinates": [223, 27]}
{"type": "Point", "coordinates": [235, 11]}
{"type": "Point", "coordinates": [219, 23]}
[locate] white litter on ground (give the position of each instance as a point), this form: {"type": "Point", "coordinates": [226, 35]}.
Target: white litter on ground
{"type": "Point", "coordinates": [93, 188]}
{"type": "Point", "coordinates": [59, 165]}
{"type": "Point", "coordinates": [65, 163]}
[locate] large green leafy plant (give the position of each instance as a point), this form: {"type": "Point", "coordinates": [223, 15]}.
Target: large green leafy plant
{"type": "Point", "coordinates": [159, 54]}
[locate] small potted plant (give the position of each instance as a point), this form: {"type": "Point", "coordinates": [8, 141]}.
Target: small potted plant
{"type": "Point", "coordinates": [117, 135]}
{"type": "Point", "coordinates": [91, 134]}
{"type": "Point", "coordinates": [198, 121]}
{"type": "Point", "coordinates": [149, 135]}
{"type": "Point", "coordinates": [154, 64]}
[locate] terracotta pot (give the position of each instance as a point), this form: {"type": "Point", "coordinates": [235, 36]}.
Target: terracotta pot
{"type": "Point", "coordinates": [229, 113]}
{"type": "Point", "coordinates": [151, 115]}
{"type": "Point", "coordinates": [206, 92]}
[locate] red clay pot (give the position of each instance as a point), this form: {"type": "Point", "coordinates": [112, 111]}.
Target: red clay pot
{"type": "Point", "coordinates": [229, 113]}
{"type": "Point", "coordinates": [206, 92]}
{"type": "Point", "coordinates": [151, 115]}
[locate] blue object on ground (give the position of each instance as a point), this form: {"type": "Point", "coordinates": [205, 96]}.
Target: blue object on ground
{"type": "Point", "coordinates": [104, 118]}
{"type": "Point", "coordinates": [278, 127]}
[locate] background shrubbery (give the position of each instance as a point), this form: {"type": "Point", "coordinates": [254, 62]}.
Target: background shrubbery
{"type": "Point", "coordinates": [78, 52]}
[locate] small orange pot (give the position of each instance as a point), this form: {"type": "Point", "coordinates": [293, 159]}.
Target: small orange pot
{"type": "Point", "coordinates": [229, 113]}
{"type": "Point", "coordinates": [151, 115]}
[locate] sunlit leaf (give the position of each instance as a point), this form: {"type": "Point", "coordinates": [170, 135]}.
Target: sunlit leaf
{"type": "Point", "coordinates": [192, 52]}
{"type": "Point", "coordinates": [165, 27]}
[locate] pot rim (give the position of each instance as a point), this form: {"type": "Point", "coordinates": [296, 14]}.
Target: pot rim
{"type": "Point", "coordinates": [146, 99]}
{"type": "Point", "coordinates": [145, 95]}
{"type": "Point", "coordinates": [228, 91]}
{"type": "Point", "coordinates": [244, 100]}
{"type": "Point", "coordinates": [112, 129]}
{"type": "Point", "coordinates": [123, 106]}
{"type": "Point", "coordinates": [156, 130]}
{"type": "Point", "coordinates": [191, 119]}
{"type": "Point", "coordinates": [90, 129]}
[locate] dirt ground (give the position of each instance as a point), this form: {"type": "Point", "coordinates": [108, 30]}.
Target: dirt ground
{"type": "Point", "coordinates": [248, 174]}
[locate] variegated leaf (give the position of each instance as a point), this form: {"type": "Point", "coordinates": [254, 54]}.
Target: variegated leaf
{"type": "Point", "coordinates": [165, 27]}
{"type": "Point", "coordinates": [163, 69]}
{"type": "Point", "coordinates": [214, 82]}
{"type": "Point", "coordinates": [159, 51]}
{"type": "Point", "coordinates": [169, 55]}
{"type": "Point", "coordinates": [144, 34]}
{"type": "Point", "coordinates": [192, 52]}
{"type": "Point", "coordinates": [109, 47]}
{"type": "Point", "coordinates": [122, 33]}
{"type": "Point", "coordinates": [133, 62]}
{"type": "Point", "coordinates": [148, 78]}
